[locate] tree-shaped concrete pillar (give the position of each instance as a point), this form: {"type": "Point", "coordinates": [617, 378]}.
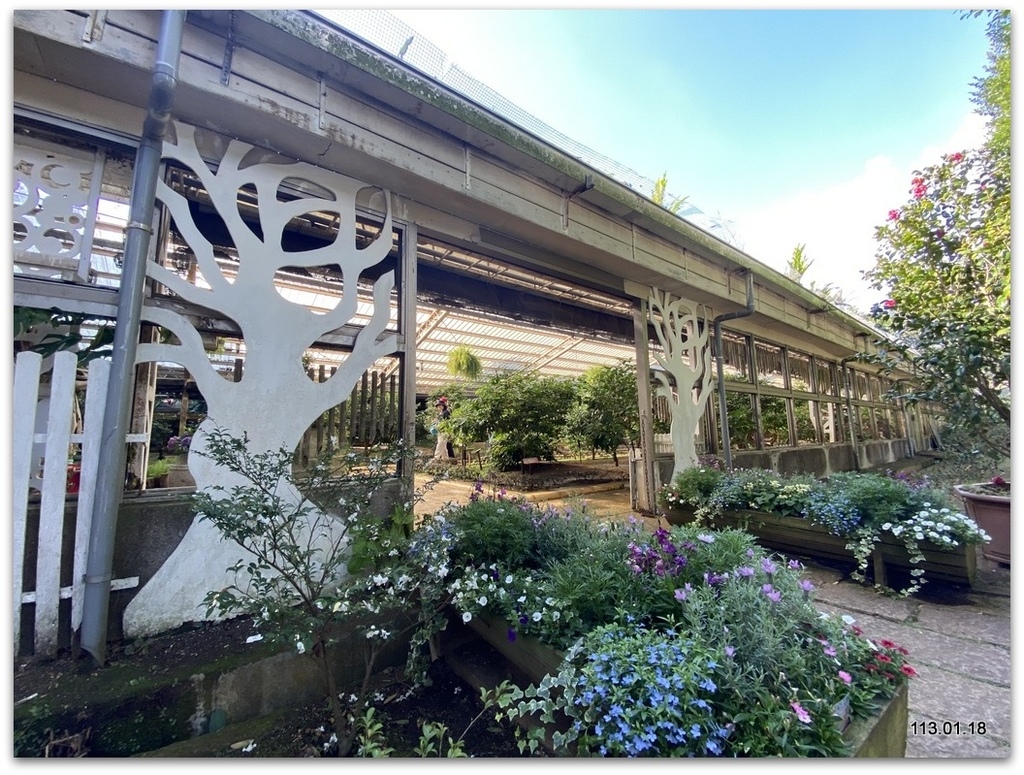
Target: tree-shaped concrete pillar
{"type": "Point", "coordinates": [685, 355]}
{"type": "Point", "coordinates": [275, 401]}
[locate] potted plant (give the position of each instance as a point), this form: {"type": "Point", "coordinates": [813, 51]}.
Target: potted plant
{"type": "Point", "coordinates": [988, 504]}
{"type": "Point", "coordinates": [156, 472]}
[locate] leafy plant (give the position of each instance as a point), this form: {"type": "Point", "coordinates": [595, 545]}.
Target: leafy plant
{"type": "Point", "coordinates": [157, 467]}
{"type": "Point", "coordinates": [435, 738]}
{"type": "Point", "coordinates": [64, 332]}
{"type": "Point", "coordinates": [628, 691]}
{"type": "Point", "coordinates": [299, 578]}
{"type": "Point", "coordinates": [462, 362]}
{"type": "Point", "coordinates": [604, 413]}
{"type": "Point", "coordinates": [521, 414]}
{"type": "Point", "coordinates": [691, 487]}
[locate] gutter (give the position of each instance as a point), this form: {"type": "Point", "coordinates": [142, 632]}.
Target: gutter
{"type": "Point", "coordinates": [111, 479]}
{"type": "Point", "coordinates": [720, 361]}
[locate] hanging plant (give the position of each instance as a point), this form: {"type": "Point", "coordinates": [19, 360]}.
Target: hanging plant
{"type": "Point", "coordinates": [463, 363]}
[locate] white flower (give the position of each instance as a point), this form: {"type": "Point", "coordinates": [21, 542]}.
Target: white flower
{"type": "Point", "coordinates": [300, 647]}
{"type": "Point", "coordinates": [536, 616]}
{"type": "Point", "coordinates": [482, 600]}
{"type": "Point", "coordinates": [466, 616]}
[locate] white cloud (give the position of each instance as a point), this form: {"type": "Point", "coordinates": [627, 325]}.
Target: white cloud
{"type": "Point", "coordinates": [837, 224]}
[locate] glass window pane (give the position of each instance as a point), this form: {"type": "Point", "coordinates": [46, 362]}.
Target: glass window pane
{"type": "Point", "coordinates": [806, 415]}
{"type": "Point", "coordinates": [800, 371]}
{"type": "Point", "coordinates": [832, 419]}
{"type": "Point", "coordinates": [742, 428]}
{"type": "Point", "coordinates": [826, 373]}
{"type": "Point", "coordinates": [774, 421]}
{"type": "Point", "coordinates": [769, 364]}
{"type": "Point", "coordinates": [866, 426]}
{"type": "Point", "coordinates": [860, 386]}
{"type": "Point", "coordinates": [736, 357]}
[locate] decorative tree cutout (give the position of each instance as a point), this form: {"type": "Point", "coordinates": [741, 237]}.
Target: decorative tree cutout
{"type": "Point", "coordinates": [275, 401]}
{"type": "Point", "coordinates": [686, 356]}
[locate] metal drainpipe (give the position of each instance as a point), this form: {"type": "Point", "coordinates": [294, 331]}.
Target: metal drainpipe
{"type": "Point", "coordinates": [906, 423]}
{"type": "Point", "coordinates": [849, 409]}
{"type": "Point", "coordinates": [720, 361]}
{"type": "Point", "coordinates": [110, 482]}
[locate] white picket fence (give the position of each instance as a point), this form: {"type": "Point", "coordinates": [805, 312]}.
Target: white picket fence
{"type": "Point", "coordinates": [47, 473]}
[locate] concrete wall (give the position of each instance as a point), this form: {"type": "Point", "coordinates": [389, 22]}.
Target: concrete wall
{"type": "Point", "coordinates": [818, 460]}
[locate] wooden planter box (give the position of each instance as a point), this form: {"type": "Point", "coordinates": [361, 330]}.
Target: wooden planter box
{"type": "Point", "coordinates": [798, 536]}
{"type": "Point", "coordinates": [881, 736]}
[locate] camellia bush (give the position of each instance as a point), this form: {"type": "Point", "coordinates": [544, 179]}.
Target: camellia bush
{"type": "Point", "coordinates": [943, 259]}
{"type": "Point", "coordinates": [681, 642]}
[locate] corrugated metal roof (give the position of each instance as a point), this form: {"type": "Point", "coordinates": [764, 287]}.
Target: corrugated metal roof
{"type": "Point", "coordinates": [501, 344]}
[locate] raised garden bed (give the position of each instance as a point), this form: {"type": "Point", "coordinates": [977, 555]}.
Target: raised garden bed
{"type": "Point", "coordinates": [798, 536]}
{"type": "Point", "coordinates": [881, 736]}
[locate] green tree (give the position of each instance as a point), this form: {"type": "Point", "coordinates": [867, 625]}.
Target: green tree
{"type": "Point", "coordinates": [522, 414]}
{"type": "Point", "coordinates": [944, 261]}
{"type": "Point", "coordinates": [605, 412]}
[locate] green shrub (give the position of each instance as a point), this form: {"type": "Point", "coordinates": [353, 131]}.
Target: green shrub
{"type": "Point", "coordinates": [495, 530]}
{"type": "Point", "coordinates": [691, 487]}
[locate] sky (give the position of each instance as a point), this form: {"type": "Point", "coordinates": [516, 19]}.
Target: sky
{"type": "Point", "coordinates": [799, 126]}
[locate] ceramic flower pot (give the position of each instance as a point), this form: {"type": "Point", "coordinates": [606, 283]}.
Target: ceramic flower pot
{"type": "Point", "coordinates": [991, 510]}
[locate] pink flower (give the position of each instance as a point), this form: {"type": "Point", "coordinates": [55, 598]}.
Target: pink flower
{"type": "Point", "coordinates": [801, 714]}
{"type": "Point", "coordinates": [918, 187]}
{"type": "Point", "coordinates": [908, 671]}
{"type": "Point", "coordinates": [845, 677]}
{"type": "Point", "coordinates": [894, 215]}
{"type": "Point", "coordinates": [998, 480]}
{"type": "Point", "coordinates": [956, 157]}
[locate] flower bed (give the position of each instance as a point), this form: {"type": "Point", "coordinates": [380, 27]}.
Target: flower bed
{"type": "Point", "coordinates": [801, 537]}
{"type": "Point", "coordinates": [889, 522]}
{"type": "Point", "coordinates": [681, 642]}
{"type": "Point", "coordinates": [882, 735]}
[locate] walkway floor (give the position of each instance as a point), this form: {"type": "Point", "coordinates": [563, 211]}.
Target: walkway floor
{"type": "Point", "coordinates": [959, 638]}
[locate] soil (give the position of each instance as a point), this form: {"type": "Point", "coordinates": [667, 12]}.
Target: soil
{"type": "Point", "coordinates": [298, 732]}
{"type": "Point", "coordinates": [543, 475]}
{"type": "Point", "coordinates": [448, 700]}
